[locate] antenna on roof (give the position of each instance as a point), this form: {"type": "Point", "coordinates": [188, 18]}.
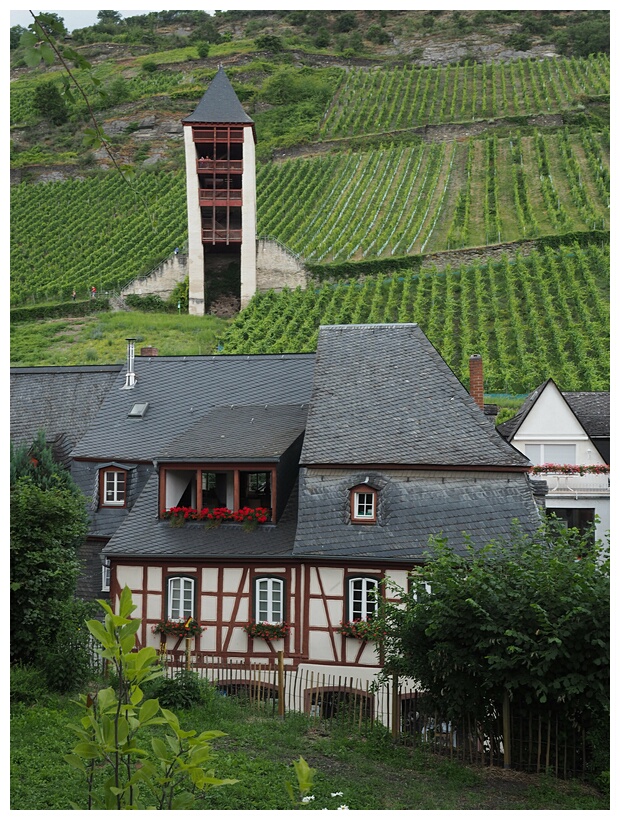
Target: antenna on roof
{"type": "Point", "coordinates": [130, 376]}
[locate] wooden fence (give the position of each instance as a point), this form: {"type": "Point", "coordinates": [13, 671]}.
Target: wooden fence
{"type": "Point", "coordinates": [511, 736]}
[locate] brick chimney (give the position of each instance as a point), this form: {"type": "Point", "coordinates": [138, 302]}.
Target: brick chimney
{"type": "Point", "coordinates": [476, 380]}
{"type": "Point", "coordinates": [148, 351]}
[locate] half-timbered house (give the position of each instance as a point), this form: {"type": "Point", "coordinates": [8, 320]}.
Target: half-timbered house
{"type": "Point", "coordinates": [355, 457]}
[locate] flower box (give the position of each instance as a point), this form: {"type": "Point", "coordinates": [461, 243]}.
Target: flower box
{"type": "Point", "coordinates": [182, 629]}
{"type": "Point", "coordinates": [571, 469]}
{"type": "Point", "coordinates": [370, 630]}
{"type": "Point", "coordinates": [248, 517]}
{"type": "Point", "coordinates": [268, 632]}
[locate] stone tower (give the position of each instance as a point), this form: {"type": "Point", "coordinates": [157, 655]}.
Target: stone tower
{"type": "Point", "coordinates": [220, 163]}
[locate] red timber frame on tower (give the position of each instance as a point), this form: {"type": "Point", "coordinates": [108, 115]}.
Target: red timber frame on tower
{"type": "Point", "coordinates": [219, 165]}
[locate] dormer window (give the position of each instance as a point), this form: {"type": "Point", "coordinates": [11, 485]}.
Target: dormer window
{"type": "Point", "coordinates": [113, 484]}
{"type": "Point", "coordinates": [363, 504]}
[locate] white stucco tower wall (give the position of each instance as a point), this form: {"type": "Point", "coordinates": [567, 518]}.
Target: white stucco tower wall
{"type": "Point", "coordinates": [195, 253]}
{"type": "Point", "coordinates": [248, 219]}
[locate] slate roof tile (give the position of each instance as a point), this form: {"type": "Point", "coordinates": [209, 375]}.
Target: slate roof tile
{"type": "Point", "coordinates": [219, 103]}
{"type": "Point", "coordinates": [383, 395]}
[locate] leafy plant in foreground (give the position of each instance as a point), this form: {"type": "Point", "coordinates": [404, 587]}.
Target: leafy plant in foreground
{"type": "Point", "coordinates": [111, 736]}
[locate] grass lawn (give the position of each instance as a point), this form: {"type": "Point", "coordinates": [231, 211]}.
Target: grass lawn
{"type": "Point", "coordinates": [370, 770]}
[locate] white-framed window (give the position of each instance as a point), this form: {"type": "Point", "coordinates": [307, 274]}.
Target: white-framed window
{"type": "Point", "coordinates": [363, 505]}
{"type": "Point", "coordinates": [362, 600]}
{"type": "Point", "coordinates": [269, 600]}
{"type": "Point", "coordinates": [105, 575]}
{"type": "Point", "coordinates": [114, 488]}
{"type": "Point", "coordinates": [181, 597]}
{"type": "Point", "coordinates": [551, 453]}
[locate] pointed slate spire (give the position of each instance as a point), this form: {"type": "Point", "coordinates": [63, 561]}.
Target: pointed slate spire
{"type": "Point", "coordinates": [219, 103]}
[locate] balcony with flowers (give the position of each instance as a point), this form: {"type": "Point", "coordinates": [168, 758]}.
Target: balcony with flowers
{"type": "Point", "coordinates": [572, 479]}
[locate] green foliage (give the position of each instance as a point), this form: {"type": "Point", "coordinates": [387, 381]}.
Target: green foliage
{"type": "Point", "coordinates": [179, 298]}
{"type": "Point", "coordinates": [378, 35]}
{"type": "Point", "coordinates": [49, 103]}
{"type": "Point", "coordinates": [519, 41]}
{"type": "Point", "coordinates": [149, 66]}
{"type": "Point", "coordinates": [203, 49]}
{"type": "Point", "coordinates": [151, 303]}
{"type": "Point", "coordinates": [345, 21]}
{"type": "Point", "coordinates": [83, 307]}
{"type": "Point", "coordinates": [27, 685]}
{"type": "Point", "coordinates": [269, 42]}
{"type": "Point", "coordinates": [48, 524]}
{"type": "Point", "coordinates": [305, 782]}
{"type": "Point", "coordinates": [530, 617]}
{"type": "Point", "coordinates": [111, 733]}
{"type": "Point", "coordinates": [183, 690]}
{"type": "Point", "coordinates": [586, 34]}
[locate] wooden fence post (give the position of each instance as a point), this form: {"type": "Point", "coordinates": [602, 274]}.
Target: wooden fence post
{"type": "Point", "coordinates": [395, 720]}
{"type": "Point", "coordinates": [188, 664]}
{"type": "Point", "coordinates": [506, 722]}
{"type": "Point", "coordinates": [280, 683]}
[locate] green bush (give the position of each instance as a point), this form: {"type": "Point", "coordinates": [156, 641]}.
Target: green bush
{"type": "Point", "coordinates": [26, 684]}
{"type": "Point", "coordinates": [182, 691]}
{"type": "Point", "coordinates": [152, 303]}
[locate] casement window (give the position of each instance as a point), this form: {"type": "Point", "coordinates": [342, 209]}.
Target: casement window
{"type": "Point", "coordinates": [113, 487]}
{"type": "Point", "coordinates": [362, 598]}
{"type": "Point", "coordinates": [363, 505]}
{"type": "Point", "coordinates": [105, 575]}
{"type": "Point", "coordinates": [181, 598]}
{"type": "Point", "coordinates": [269, 600]}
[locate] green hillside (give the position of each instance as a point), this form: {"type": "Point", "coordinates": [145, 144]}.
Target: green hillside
{"type": "Point", "coordinates": [387, 142]}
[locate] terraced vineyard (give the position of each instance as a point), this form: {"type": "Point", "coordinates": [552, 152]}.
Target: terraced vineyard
{"type": "Point", "coordinates": [80, 233]}
{"type": "Point", "coordinates": [540, 316]}
{"type": "Point", "coordinates": [394, 202]}
{"type": "Point", "coordinates": [413, 96]}
{"type": "Point", "coordinates": [410, 200]}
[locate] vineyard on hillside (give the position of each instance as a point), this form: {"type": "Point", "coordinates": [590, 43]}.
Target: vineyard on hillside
{"type": "Point", "coordinates": [380, 100]}
{"type": "Point", "coordinates": [430, 197]}
{"type": "Point", "coordinates": [79, 233]}
{"type": "Point", "coordinates": [392, 202]}
{"type": "Point", "coordinates": [540, 316]}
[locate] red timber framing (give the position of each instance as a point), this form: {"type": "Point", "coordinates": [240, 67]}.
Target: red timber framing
{"type": "Point", "coordinates": [346, 651]}
{"type": "Point", "coordinates": [234, 468]}
{"type": "Point", "coordinates": [223, 605]}
{"type": "Point", "coordinates": [219, 165]}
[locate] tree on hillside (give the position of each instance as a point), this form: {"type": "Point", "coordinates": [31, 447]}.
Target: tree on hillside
{"type": "Point", "coordinates": [109, 17]}
{"type": "Point", "coordinates": [48, 524]}
{"type": "Point", "coordinates": [50, 103]}
{"type": "Point", "coordinates": [529, 618]}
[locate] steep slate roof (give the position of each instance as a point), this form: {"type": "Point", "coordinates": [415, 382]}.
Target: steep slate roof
{"type": "Point", "coordinates": [245, 433]}
{"type": "Point", "coordinates": [142, 534]}
{"type": "Point", "coordinates": [383, 395]}
{"type": "Point", "coordinates": [181, 391]}
{"type": "Point", "coordinates": [412, 506]}
{"type": "Point", "coordinates": [592, 410]}
{"type": "Point", "coordinates": [60, 400]}
{"type": "Point", "coordinates": [219, 103]}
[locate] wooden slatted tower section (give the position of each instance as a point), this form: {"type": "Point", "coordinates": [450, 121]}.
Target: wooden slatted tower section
{"type": "Point", "coordinates": [220, 162]}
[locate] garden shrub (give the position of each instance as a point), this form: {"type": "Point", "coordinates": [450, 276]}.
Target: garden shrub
{"type": "Point", "coordinates": [182, 691]}
{"type": "Point", "coordinates": [26, 684]}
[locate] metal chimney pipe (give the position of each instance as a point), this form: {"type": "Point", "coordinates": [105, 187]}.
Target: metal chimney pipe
{"type": "Point", "coordinates": [130, 377]}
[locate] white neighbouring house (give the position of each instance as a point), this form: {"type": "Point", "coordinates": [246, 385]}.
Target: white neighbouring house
{"type": "Point", "coordinates": [566, 436]}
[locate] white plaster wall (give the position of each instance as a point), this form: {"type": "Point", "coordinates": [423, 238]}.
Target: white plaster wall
{"type": "Point", "coordinates": [129, 576]}
{"type": "Point", "coordinates": [550, 419]}
{"type": "Point", "coordinates": [153, 578]}
{"type": "Point", "coordinates": [601, 506]}
{"type": "Point", "coordinates": [209, 580]}
{"type": "Point", "coordinates": [195, 259]}
{"type": "Point", "coordinates": [232, 577]}
{"type": "Point", "coordinates": [208, 608]}
{"type": "Point", "coordinates": [248, 219]}
{"type": "Point", "coordinates": [320, 646]}
{"type": "Point", "coordinates": [153, 607]}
